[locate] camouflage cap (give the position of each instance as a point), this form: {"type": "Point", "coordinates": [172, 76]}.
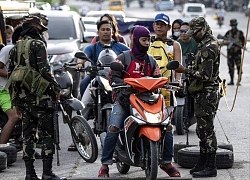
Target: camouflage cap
{"type": "Point", "coordinates": [196, 24]}
{"type": "Point", "coordinates": [31, 21]}
{"type": "Point", "coordinates": [233, 22]}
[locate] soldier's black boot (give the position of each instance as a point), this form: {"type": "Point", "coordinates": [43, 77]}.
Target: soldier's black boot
{"type": "Point", "coordinates": [30, 171]}
{"type": "Point", "coordinates": [210, 170]}
{"type": "Point", "coordinates": [200, 164]}
{"type": "Point", "coordinates": [47, 171]}
{"type": "Point", "coordinates": [232, 80]}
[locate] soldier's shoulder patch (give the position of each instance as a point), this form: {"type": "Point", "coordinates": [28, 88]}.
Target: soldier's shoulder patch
{"type": "Point", "coordinates": [204, 52]}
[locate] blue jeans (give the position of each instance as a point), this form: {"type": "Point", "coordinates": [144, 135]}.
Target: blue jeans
{"type": "Point", "coordinates": [168, 151]}
{"type": "Point", "coordinates": [118, 115]}
{"type": "Point", "coordinates": [84, 84]}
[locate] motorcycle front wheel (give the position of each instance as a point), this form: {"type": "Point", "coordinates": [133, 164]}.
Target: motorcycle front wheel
{"type": "Point", "coordinates": [152, 160]}
{"type": "Point", "coordinates": [85, 142]}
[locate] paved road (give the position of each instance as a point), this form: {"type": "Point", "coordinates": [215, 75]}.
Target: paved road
{"type": "Point", "coordinates": [232, 126]}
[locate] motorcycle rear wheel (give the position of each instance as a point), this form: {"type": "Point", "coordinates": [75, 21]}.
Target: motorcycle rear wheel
{"type": "Point", "coordinates": [151, 170]}
{"type": "Point", "coordinates": [122, 167]}
{"type": "Point", "coordinates": [86, 144]}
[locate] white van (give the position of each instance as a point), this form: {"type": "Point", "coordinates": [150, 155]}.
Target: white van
{"type": "Point", "coordinates": [191, 10]}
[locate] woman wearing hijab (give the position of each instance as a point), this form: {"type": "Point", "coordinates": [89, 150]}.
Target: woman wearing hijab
{"type": "Point", "coordinates": [139, 57]}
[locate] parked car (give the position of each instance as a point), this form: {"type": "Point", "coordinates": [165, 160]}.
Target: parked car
{"type": "Point", "coordinates": [90, 23]}
{"type": "Point", "coordinates": [191, 10]}
{"type": "Point", "coordinates": [162, 5]}
{"type": "Point", "coordinates": [67, 35]}
{"type": "Point", "coordinates": [119, 15]}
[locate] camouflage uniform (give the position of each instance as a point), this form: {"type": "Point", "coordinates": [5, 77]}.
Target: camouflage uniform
{"type": "Point", "coordinates": [204, 70]}
{"type": "Point", "coordinates": [234, 52]}
{"type": "Point", "coordinates": [36, 112]}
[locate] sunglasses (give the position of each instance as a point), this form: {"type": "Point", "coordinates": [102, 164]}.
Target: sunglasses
{"type": "Point", "coordinates": [183, 31]}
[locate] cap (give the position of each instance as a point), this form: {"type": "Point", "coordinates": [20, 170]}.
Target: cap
{"type": "Point", "coordinates": [233, 22]}
{"type": "Point", "coordinates": [162, 17]}
{"type": "Point", "coordinates": [196, 24]}
{"type": "Point", "coordinates": [31, 21]}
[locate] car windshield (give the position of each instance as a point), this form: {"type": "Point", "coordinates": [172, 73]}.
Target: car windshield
{"type": "Point", "coordinates": [194, 9]}
{"type": "Point", "coordinates": [55, 27]}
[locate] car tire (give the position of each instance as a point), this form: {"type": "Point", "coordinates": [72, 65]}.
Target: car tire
{"type": "Point", "coordinates": [11, 152]}
{"type": "Point", "coordinates": [3, 160]}
{"type": "Point", "coordinates": [188, 157]}
{"type": "Point", "coordinates": [182, 145]}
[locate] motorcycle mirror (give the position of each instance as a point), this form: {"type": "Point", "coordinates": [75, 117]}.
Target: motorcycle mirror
{"type": "Point", "coordinates": [116, 66]}
{"type": "Point", "coordinates": [81, 55]}
{"type": "Point", "coordinates": [220, 36]}
{"type": "Point", "coordinates": [172, 65]}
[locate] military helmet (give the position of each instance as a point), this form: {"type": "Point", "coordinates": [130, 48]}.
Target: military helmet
{"type": "Point", "coordinates": [196, 24]}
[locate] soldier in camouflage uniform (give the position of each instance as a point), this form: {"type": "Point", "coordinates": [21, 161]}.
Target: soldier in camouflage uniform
{"type": "Point", "coordinates": [234, 51]}
{"type": "Point", "coordinates": [36, 114]}
{"type": "Point", "coordinates": [203, 74]}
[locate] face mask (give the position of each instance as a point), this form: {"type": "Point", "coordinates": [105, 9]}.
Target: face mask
{"type": "Point", "coordinates": [144, 49]}
{"type": "Point", "coordinates": [177, 33]}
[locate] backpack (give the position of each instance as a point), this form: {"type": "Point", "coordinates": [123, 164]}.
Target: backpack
{"type": "Point", "coordinates": [26, 75]}
{"type": "Point", "coordinates": [127, 61]}
{"type": "Point", "coordinates": [159, 51]}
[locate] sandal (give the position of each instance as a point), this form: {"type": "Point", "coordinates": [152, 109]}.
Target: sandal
{"type": "Point", "coordinates": [72, 147]}
{"type": "Point", "coordinates": [103, 172]}
{"type": "Point", "coordinates": [172, 171]}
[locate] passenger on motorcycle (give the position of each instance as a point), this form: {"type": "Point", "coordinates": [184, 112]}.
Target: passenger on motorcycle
{"type": "Point", "coordinates": [137, 68]}
{"type": "Point", "coordinates": [5, 101]}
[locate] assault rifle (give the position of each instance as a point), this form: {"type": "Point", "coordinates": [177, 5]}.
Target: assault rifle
{"type": "Point", "coordinates": [231, 42]}
{"type": "Point", "coordinates": [56, 129]}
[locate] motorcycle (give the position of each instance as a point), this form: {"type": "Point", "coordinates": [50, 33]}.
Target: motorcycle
{"type": "Point", "coordinates": [81, 132]}
{"type": "Point", "coordinates": [98, 99]}
{"type": "Point", "coordinates": [220, 20]}
{"type": "Point", "coordinates": [141, 141]}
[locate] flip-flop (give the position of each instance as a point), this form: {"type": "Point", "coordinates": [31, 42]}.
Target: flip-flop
{"type": "Point", "coordinates": [172, 171]}
{"type": "Point", "coordinates": [72, 147]}
{"type": "Point", "coordinates": [103, 172]}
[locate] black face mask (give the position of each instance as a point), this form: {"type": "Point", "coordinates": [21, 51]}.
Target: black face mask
{"type": "Point", "coordinates": [144, 49]}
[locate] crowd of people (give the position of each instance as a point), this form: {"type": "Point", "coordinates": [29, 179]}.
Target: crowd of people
{"type": "Point", "coordinates": [194, 37]}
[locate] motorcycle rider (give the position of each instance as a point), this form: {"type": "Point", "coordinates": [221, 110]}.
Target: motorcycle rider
{"type": "Point", "coordinates": [221, 14]}
{"type": "Point", "coordinates": [137, 68]}
{"type": "Point", "coordinates": [105, 32]}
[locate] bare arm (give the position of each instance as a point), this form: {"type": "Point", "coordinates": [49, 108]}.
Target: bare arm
{"type": "Point", "coordinates": [178, 57]}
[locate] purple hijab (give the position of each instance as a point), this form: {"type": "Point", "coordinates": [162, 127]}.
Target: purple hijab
{"type": "Point", "coordinates": [138, 50]}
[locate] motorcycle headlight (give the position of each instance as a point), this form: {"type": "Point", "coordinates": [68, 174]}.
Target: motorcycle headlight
{"type": "Point", "coordinates": [150, 117]}
{"type": "Point", "coordinates": [153, 118]}
{"type": "Point", "coordinates": [106, 84]}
